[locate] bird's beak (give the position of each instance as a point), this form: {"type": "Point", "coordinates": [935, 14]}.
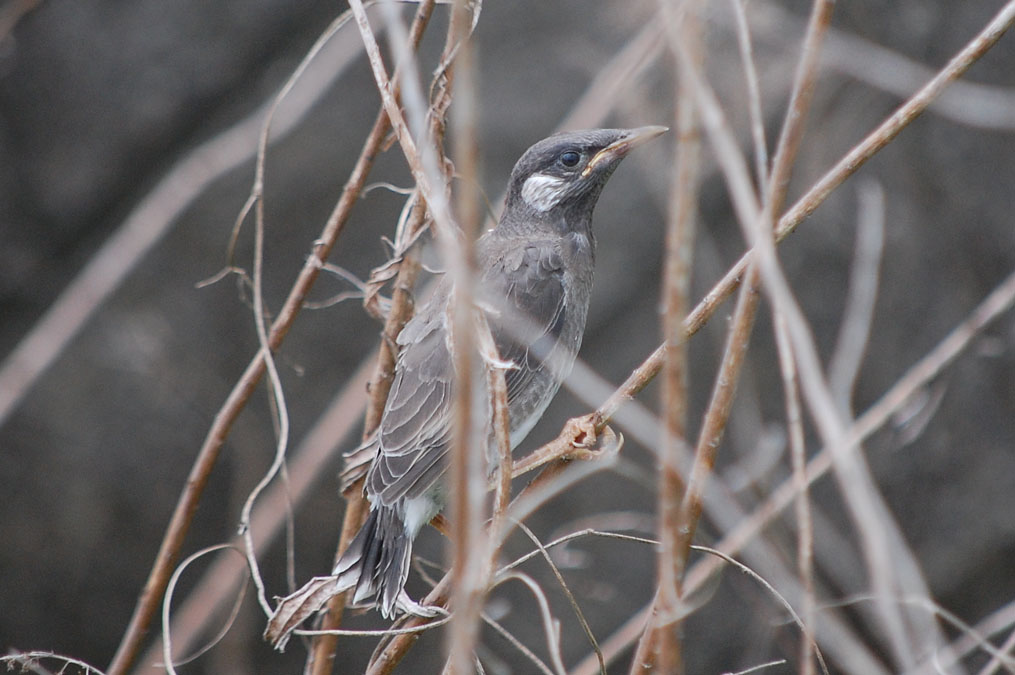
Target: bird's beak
{"type": "Point", "coordinates": [619, 148]}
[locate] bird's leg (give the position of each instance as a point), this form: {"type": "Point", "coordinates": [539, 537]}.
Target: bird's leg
{"type": "Point", "coordinates": [579, 439]}
{"type": "Point", "coordinates": [441, 524]}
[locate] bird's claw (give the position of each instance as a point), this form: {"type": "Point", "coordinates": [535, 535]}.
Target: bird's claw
{"type": "Point", "coordinates": [582, 431]}
{"type": "Point", "coordinates": [587, 444]}
{"type": "Point", "coordinates": [407, 605]}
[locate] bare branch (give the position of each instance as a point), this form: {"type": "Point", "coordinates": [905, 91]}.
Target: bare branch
{"type": "Point", "coordinates": [753, 93]}
{"type": "Point", "coordinates": [471, 551]}
{"type": "Point", "coordinates": [798, 459]}
{"type": "Point", "coordinates": [661, 644]}
{"type": "Point", "coordinates": [844, 366]}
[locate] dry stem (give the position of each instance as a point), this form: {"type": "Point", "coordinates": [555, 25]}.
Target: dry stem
{"type": "Point", "coordinates": [661, 644]}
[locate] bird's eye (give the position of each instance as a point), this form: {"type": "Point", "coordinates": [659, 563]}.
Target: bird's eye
{"type": "Point", "coordinates": [570, 159]}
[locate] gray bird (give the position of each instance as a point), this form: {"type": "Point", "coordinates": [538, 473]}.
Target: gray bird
{"type": "Point", "coordinates": [535, 265]}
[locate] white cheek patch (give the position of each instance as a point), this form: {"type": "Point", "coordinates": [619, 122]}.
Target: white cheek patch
{"type": "Point", "coordinates": [543, 192]}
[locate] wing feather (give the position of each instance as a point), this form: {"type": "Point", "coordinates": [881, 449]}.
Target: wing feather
{"type": "Point", "coordinates": [414, 427]}
{"type": "Point", "coordinates": [532, 279]}
{"type": "Point", "coordinates": [414, 435]}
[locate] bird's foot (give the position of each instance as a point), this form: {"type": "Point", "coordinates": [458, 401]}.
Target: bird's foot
{"type": "Point", "coordinates": [590, 444]}
{"type": "Point", "coordinates": [582, 432]}
{"type": "Point", "coordinates": [407, 605]}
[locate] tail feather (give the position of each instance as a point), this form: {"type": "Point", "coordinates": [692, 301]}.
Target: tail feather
{"type": "Point", "coordinates": [376, 563]}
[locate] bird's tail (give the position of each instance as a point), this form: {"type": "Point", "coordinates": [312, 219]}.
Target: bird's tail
{"type": "Point", "coordinates": [376, 564]}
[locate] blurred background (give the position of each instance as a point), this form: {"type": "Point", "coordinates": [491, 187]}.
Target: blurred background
{"type": "Point", "coordinates": [100, 101]}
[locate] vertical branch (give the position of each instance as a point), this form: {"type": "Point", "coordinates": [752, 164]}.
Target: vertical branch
{"type": "Point", "coordinates": [497, 384]}
{"type": "Point", "coordinates": [753, 93]}
{"type": "Point", "coordinates": [854, 480]}
{"type": "Point", "coordinates": [798, 457]}
{"type": "Point", "coordinates": [717, 415]}
{"type": "Point", "coordinates": [467, 470]}
{"type": "Point", "coordinates": [847, 357]}
{"type": "Point", "coordinates": [661, 643]}
{"type": "Point", "coordinates": [795, 121]}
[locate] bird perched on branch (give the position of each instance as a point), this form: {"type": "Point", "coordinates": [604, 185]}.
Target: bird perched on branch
{"type": "Point", "coordinates": [534, 268]}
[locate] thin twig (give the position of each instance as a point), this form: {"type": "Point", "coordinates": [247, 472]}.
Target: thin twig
{"type": "Point", "coordinates": [167, 644]}
{"type": "Point", "coordinates": [798, 459]}
{"type": "Point", "coordinates": [501, 423]}
{"type": "Point", "coordinates": [795, 119]}
{"type": "Point", "coordinates": [775, 194]}
{"type": "Point", "coordinates": [857, 317]}
{"type": "Point", "coordinates": [279, 406]}
{"type": "Point", "coordinates": [586, 532]}
{"type": "Point", "coordinates": [567, 591]}
{"type": "Point", "coordinates": [518, 644]}
{"type": "Point", "coordinates": [754, 105]}
{"type": "Point", "coordinates": [551, 627]}
{"type": "Point", "coordinates": [771, 590]}
{"type": "Point", "coordinates": [759, 667]}
{"type": "Point", "coordinates": [661, 644]}
{"type": "Point", "coordinates": [386, 632]}
{"type": "Point", "coordinates": [26, 660]}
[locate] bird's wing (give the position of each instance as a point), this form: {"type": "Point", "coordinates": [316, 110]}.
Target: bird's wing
{"type": "Point", "coordinates": [415, 428]}
{"type": "Point", "coordinates": [528, 284]}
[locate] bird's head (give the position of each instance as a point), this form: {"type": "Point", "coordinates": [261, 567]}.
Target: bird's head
{"type": "Point", "coordinates": [559, 179]}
